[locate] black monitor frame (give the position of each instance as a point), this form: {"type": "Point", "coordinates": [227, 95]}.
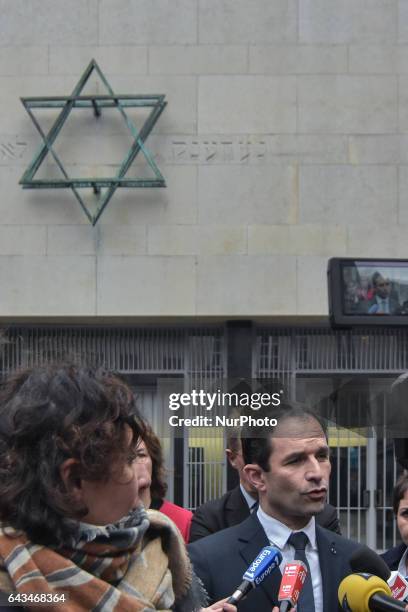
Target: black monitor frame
{"type": "Point", "coordinates": [336, 287]}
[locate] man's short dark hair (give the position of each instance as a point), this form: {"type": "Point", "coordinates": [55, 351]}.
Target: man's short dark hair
{"type": "Point", "coordinates": [377, 275]}
{"type": "Point", "coordinates": [401, 487]}
{"type": "Point", "coordinates": [257, 443]}
{"type": "Point", "coordinates": [48, 415]}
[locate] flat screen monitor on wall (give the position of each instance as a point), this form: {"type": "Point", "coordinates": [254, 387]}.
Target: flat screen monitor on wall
{"type": "Point", "coordinates": [368, 292]}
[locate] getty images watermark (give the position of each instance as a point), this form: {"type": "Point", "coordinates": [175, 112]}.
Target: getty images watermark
{"type": "Point", "coordinates": [221, 400]}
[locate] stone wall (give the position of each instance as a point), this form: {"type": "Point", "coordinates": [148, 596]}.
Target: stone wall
{"type": "Point", "coordinates": [284, 142]}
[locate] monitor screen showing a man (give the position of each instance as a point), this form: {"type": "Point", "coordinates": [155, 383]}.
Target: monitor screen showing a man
{"type": "Point", "coordinates": [289, 466]}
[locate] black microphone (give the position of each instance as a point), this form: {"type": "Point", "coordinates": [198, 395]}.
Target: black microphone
{"type": "Point", "coordinates": [366, 561]}
{"type": "Point", "coordinates": [260, 568]}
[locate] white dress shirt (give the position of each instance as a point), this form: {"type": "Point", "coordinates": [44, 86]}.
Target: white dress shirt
{"type": "Point", "coordinates": [278, 535]}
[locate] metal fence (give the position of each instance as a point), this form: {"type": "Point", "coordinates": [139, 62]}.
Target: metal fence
{"type": "Point", "coordinates": [319, 365]}
{"type": "Point", "coordinates": [194, 355]}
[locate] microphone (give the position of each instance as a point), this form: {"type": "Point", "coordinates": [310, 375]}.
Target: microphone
{"type": "Point", "coordinates": [293, 579]}
{"type": "Point", "coordinates": [260, 568]}
{"type": "Point", "coordinates": [398, 586]}
{"type": "Point", "coordinates": [365, 561]}
{"type": "Point", "coordinates": [366, 593]}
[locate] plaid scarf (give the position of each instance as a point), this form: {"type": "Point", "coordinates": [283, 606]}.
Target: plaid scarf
{"type": "Point", "coordinates": [126, 567]}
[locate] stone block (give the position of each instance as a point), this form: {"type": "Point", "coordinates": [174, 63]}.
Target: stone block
{"type": "Point", "coordinates": [348, 21]}
{"type": "Point", "coordinates": [306, 239]}
{"type": "Point", "coordinates": [247, 104]}
{"type": "Point", "coordinates": [402, 21]}
{"type": "Point", "coordinates": [347, 104]}
{"type": "Point", "coordinates": [71, 240]}
{"type": "Point", "coordinates": [403, 196]}
{"type": "Point", "coordinates": [141, 22]}
{"type": "Point", "coordinates": [403, 148]}
{"type": "Point", "coordinates": [48, 22]}
{"type": "Point", "coordinates": [121, 240]}
{"type": "Point", "coordinates": [247, 195]}
{"type": "Point", "coordinates": [47, 286]}
{"type": "Point", "coordinates": [348, 195]}
{"type": "Point", "coordinates": [403, 104]}
{"type": "Point", "coordinates": [311, 287]}
{"type": "Point", "coordinates": [372, 149]}
{"type": "Point", "coordinates": [23, 240]}
{"type": "Point", "coordinates": [372, 241]}
{"type": "Point", "coordinates": [297, 59]}
{"type": "Point", "coordinates": [373, 59]}
{"type": "Point", "coordinates": [236, 285]}
{"type": "Point", "coordinates": [240, 22]}
{"type": "Point", "coordinates": [198, 59]}
{"type": "Point", "coordinates": [20, 61]}
{"type": "Point", "coordinates": [307, 149]}
{"type": "Point", "coordinates": [111, 59]}
{"type": "Point", "coordinates": [146, 286]}
{"type": "Point", "coordinates": [196, 240]}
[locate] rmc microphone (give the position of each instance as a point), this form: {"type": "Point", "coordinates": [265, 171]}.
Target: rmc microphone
{"type": "Point", "coordinates": [398, 586]}
{"type": "Point", "coordinates": [367, 593]}
{"type": "Point", "coordinates": [260, 568]}
{"type": "Point", "coordinates": [293, 579]}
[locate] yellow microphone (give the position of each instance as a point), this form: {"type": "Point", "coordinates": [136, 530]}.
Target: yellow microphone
{"type": "Point", "coordinates": [366, 593]}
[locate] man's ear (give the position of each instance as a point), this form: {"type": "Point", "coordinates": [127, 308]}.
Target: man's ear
{"type": "Point", "coordinates": [231, 456]}
{"type": "Point", "coordinates": [69, 473]}
{"type": "Point", "coordinates": [255, 475]}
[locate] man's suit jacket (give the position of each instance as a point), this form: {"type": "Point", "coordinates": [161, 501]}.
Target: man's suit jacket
{"type": "Point", "coordinates": [393, 305]}
{"type": "Point", "coordinates": [392, 557]}
{"type": "Point", "coordinates": [232, 508]}
{"type": "Point", "coordinates": [221, 559]}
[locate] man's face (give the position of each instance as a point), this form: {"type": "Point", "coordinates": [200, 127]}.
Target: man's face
{"type": "Point", "coordinates": [382, 287]}
{"type": "Point", "coordinates": [402, 518]}
{"type": "Point", "coordinates": [295, 487]}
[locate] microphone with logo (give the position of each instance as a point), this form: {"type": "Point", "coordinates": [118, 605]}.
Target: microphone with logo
{"type": "Point", "coordinates": [293, 579]}
{"type": "Point", "coordinates": [367, 561]}
{"type": "Point", "coordinates": [398, 586]}
{"type": "Point", "coordinates": [367, 593]}
{"type": "Point", "coordinates": [367, 589]}
{"type": "Point", "coordinates": [268, 559]}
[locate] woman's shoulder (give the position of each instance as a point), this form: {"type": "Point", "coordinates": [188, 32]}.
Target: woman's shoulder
{"type": "Point", "coordinates": [172, 509]}
{"type": "Point", "coordinates": [180, 516]}
{"type": "Point", "coordinates": [393, 556]}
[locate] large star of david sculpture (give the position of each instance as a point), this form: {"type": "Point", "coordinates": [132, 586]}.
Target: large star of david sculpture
{"type": "Point", "coordinates": [96, 103]}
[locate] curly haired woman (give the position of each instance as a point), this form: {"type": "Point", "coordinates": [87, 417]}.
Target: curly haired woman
{"type": "Point", "coordinates": [72, 524]}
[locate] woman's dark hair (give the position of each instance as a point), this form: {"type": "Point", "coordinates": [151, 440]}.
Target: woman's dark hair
{"type": "Point", "coordinates": [401, 487]}
{"type": "Point", "coordinates": [257, 441]}
{"type": "Point", "coordinates": [158, 488]}
{"type": "Point", "coordinates": [48, 415]}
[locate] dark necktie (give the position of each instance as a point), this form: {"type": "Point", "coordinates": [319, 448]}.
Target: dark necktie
{"type": "Point", "coordinates": [254, 507]}
{"type": "Point", "coordinates": [306, 600]}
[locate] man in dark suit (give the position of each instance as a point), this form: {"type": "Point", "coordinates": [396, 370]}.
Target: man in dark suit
{"type": "Point", "coordinates": [237, 504]}
{"type": "Point", "coordinates": [382, 302]}
{"type": "Point", "coordinates": [289, 466]}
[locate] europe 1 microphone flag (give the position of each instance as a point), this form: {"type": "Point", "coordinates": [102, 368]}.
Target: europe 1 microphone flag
{"type": "Point", "coordinates": [293, 579]}
{"type": "Point", "coordinates": [268, 559]}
